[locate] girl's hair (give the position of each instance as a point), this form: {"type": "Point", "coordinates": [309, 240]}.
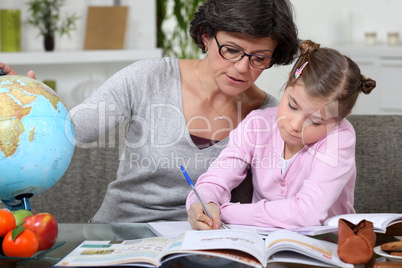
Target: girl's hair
{"type": "Point", "coordinates": [256, 18]}
{"type": "Point", "coordinates": [331, 76]}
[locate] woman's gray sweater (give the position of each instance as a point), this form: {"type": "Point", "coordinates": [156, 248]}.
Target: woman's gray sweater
{"type": "Point", "coordinates": [149, 184]}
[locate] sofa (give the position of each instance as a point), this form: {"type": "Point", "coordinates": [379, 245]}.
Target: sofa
{"type": "Point", "coordinates": [79, 193]}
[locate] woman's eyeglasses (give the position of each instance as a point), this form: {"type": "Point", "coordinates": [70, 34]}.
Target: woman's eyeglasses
{"type": "Point", "coordinates": [232, 53]}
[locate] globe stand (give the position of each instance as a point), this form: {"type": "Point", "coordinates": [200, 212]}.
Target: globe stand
{"type": "Point", "coordinates": [20, 202]}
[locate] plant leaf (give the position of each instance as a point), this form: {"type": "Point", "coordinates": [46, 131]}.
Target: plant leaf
{"type": "Point", "coordinates": [45, 15]}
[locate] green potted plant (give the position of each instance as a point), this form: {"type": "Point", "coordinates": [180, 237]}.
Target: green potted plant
{"type": "Point", "coordinates": [176, 42]}
{"type": "Point", "coordinates": [45, 14]}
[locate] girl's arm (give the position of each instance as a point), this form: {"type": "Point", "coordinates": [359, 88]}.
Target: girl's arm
{"type": "Point", "coordinates": [214, 187]}
{"type": "Point", "coordinates": [230, 168]}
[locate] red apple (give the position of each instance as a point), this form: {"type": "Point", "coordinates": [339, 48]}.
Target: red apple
{"type": "Point", "coordinates": [44, 225]}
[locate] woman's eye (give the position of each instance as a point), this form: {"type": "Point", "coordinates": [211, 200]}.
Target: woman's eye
{"type": "Point", "coordinates": [260, 59]}
{"type": "Point", "coordinates": [232, 50]}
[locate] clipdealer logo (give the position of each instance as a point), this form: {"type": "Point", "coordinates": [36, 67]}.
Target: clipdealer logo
{"type": "Point", "coordinates": [153, 131]}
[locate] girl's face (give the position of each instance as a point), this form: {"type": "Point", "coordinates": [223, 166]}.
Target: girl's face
{"type": "Point", "coordinates": [303, 119]}
{"type": "Point", "coordinates": [234, 77]}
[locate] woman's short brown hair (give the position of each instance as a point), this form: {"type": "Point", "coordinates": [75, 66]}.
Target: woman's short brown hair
{"type": "Point", "coordinates": [256, 18]}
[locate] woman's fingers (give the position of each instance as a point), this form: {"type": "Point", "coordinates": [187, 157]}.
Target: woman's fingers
{"type": "Point", "coordinates": [7, 70]}
{"type": "Point", "coordinates": [31, 74]}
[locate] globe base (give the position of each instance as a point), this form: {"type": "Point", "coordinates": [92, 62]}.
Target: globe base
{"type": "Point", "coordinates": [21, 202]}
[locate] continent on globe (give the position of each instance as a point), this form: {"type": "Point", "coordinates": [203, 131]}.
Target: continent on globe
{"type": "Point", "coordinates": [37, 137]}
{"type": "Point", "coordinates": [11, 113]}
{"type": "Point", "coordinates": [31, 134]}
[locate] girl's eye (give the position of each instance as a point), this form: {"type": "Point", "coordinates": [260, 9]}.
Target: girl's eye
{"type": "Point", "coordinates": [314, 123]}
{"type": "Point", "coordinates": [291, 107]}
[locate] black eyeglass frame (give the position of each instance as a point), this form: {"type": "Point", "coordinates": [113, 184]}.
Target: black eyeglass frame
{"type": "Point", "coordinates": [244, 54]}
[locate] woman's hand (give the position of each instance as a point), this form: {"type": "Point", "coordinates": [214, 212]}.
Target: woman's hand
{"type": "Point", "coordinates": [199, 220]}
{"type": "Point", "coordinates": [9, 71]}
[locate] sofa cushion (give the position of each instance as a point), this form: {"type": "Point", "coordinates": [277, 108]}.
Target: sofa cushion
{"type": "Point", "coordinates": [378, 162]}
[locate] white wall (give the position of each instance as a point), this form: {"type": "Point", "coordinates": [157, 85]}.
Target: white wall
{"type": "Point", "coordinates": [76, 81]}
{"type": "Point", "coordinates": [332, 23]}
{"type": "Point", "coordinates": [141, 32]}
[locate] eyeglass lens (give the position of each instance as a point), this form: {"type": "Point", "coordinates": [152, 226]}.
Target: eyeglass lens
{"type": "Point", "coordinates": [236, 54]}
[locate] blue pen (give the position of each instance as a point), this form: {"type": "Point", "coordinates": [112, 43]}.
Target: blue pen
{"type": "Point", "coordinates": [190, 182]}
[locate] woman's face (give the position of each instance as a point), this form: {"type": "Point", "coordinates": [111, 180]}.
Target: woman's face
{"type": "Point", "coordinates": [232, 78]}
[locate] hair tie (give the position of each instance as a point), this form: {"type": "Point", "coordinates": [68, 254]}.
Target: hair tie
{"type": "Point", "coordinates": [299, 71]}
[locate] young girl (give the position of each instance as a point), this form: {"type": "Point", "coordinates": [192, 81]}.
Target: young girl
{"type": "Point", "coordinates": [301, 153]}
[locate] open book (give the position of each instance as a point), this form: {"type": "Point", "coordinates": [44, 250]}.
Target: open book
{"type": "Point", "coordinates": [381, 221]}
{"type": "Point", "coordinates": [223, 246]}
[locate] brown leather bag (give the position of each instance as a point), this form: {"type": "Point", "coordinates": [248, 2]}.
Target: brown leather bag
{"type": "Point", "coordinates": [355, 242]}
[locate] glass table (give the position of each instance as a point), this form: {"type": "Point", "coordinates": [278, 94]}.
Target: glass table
{"type": "Point", "coordinates": [73, 234]}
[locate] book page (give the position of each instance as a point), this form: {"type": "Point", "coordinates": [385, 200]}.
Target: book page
{"type": "Point", "coordinates": [291, 257]}
{"type": "Point", "coordinates": [379, 220]}
{"type": "Point", "coordinates": [295, 244]}
{"type": "Point", "coordinates": [245, 241]}
{"type": "Point", "coordinates": [172, 229]}
{"type": "Point", "coordinates": [309, 230]}
{"type": "Point", "coordinates": [211, 257]}
{"type": "Point", "coordinates": [101, 253]}
{"type": "Point", "coordinates": [315, 230]}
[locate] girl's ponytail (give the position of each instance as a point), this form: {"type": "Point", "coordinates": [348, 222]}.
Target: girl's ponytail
{"type": "Point", "coordinates": [368, 84]}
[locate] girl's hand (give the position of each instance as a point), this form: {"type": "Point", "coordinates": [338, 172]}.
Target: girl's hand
{"type": "Point", "coordinates": [9, 71]}
{"type": "Point", "coordinates": [199, 220]}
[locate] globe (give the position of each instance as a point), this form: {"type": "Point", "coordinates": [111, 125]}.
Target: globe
{"type": "Point", "coordinates": [37, 138]}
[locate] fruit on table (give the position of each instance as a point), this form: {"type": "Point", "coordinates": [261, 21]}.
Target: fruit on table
{"type": "Point", "coordinates": [20, 215]}
{"type": "Point", "coordinates": [7, 222]}
{"type": "Point", "coordinates": [44, 226]}
{"type": "Point", "coordinates": [24, 245]}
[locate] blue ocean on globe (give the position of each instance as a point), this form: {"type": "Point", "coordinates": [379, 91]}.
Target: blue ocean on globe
{"type": "Point", "coordinates": [36, 137]}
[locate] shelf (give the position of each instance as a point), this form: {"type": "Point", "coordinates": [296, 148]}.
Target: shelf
{"type": "Point", "coordinates": [78, 57]}
{"type": "Point", "coordinates": [382, 51]}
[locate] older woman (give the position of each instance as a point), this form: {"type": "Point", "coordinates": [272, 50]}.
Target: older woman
{"type": "Point", "coordinates": [180, 111]}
